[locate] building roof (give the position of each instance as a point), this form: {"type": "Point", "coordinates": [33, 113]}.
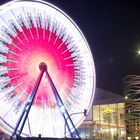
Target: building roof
{"type": "Point", "coordinates": [106, 97]}
{"type": "Point", "coordinates": [103, 97]}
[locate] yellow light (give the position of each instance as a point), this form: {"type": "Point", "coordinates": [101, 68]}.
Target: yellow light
{"type": "Point", "coordinates": [129, 138]}
{"type": "Point", "coordinates": [138, 52]}
{"type": "Point", "coordinates": [126, 97]}
{"type": "Point", "coordinates": [136, 137]}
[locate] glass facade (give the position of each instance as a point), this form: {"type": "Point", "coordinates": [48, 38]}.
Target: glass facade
{"type": "Point", "coordinates": [109, 121]}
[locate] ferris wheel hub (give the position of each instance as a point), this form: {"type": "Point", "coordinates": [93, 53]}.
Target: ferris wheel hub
{"type": "Point", "coordinates": [43, 66]}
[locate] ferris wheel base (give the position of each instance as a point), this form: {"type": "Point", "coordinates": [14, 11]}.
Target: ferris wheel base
{"type": "Point", "coordinates": [42, 138]}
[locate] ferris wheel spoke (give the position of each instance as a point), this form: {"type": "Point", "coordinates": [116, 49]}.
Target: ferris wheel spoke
{"type": "Point", "coordinates": [27, 22]}
{"type": "Point", "coordinates": [22, 24]}
{"type": "Point", "coordinates": [35, 23]}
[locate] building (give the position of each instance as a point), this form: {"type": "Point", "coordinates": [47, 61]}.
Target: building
{"type": "Point", "coordinates": [106, 119]}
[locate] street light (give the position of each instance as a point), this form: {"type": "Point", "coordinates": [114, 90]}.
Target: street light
{"type": "Point", "coordinates": [84, 112]}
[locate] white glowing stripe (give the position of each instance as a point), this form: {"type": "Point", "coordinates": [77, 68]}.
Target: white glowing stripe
{"type": "Point", "coordinates": [62, 32]}
{"type": "Point", "coordinates": [17, 22]}
{"type": "Point", "coordinates": [35, 102]}
{"type": "Point", "coordinates": [13, 61]}
{"type": "Point", "coordinates": [26, 19]}
{"type": "Point", "coordinates": [79, 82]}
{"type": "Point", "coordinates": [16, 99]}
{"type": "Point", "coordinates": [43, 20]}
{"type": "Point", "coordinates": [2, 68]}
{"type": "Point", "coordinates": [69, 40]}
{"type": "Point", "coordinates": [33, 19]}
{"type": "Point", "coordinates": [2, 86]}
{"type": "Point", "coordinates": [29, 25]}
{"type": "Point", "coordinates": [37, 32]}
{"type": "Point", "coordinates": [12, 78]}
{"type": "Point", "coordinates": [71, 45]}
{"type": "Point", "coordinates": [73, 49]}
{"type": "Point", "coordinates": [42, 102]}
{"type": "Point", "coordinates": [77, 63]}
{"type": "Point", "coordinates": [50, 29]}
{"type": "Point", "coordinates": [55, 40]}
{"type": "Point", "coordinates": [43, 25]}
{"type": "Point", "coordinates": [5, 40]}
{"type": "Point", "coordinates": [39, 20]}
{"type": "Point", "coordinates": [55, 26]}
{"type": "Point", "coordinates": [60, 45]}
{"type": "Point", "coordinates": [11, 29]}
{"type": "Point", "coordinates": [6, 113]}
{"type": "Point", "coordinates": [29, 19]}
{"type": "Point", "coordinates": [79, 69]}
{"type": "Point", "coordinates": [7, 91]}
{"type": "Point", "coordinates": [75, 53]}
{"type": "Point", "coordinates": [21, 23]}
{"type": "Point", "coordinates": [69, 65]}
{"type": "Point", "coordinates": [80, 72]}
{"type": "Point", "coordinates": [9, 69]}
{"type": "Point", "coordinates": [47, 22]}
{"type": "Point", "coordinates": [75, 102]}
{"type": "Point", "coordinates": [4, 59]}
{"type": "Point", "coordinates": [15, 46]}
{"type": "Point", "coordinates": [3, 48]}
{"type": "Point", "coordinates": [78, 57]}
{"type": "Point", "coordinates": [75, 95]}
{"type": "Point", "coordinates": [19, 106]}
{"type": "Point", "coordinates": [80, 76]}
{"type": "Point", "coordinates": [35, 24]}
{"type": "Point", "coordinates": [65, 37]}
{"type": "Point", "coordinates": [4, 79]}
{"type": "Point", "coordinates": [65, 51]}
{"type": "Point", "coordinates": [13, 52]}
{"type": "Point", "coordinates": [69, 103]}
{"type": "Point", "coordinates": [58, 30]}
{"type": "Point", "coordinates": [12, 89]}
{"type": "Point", "coordinates": [6, 33]}
{"type": "Point", "coordinates": [20, 40]}
{"type": "Point", "coordinates": [51, 25]}
{"type": "Point", "coordinates": [66, 58]}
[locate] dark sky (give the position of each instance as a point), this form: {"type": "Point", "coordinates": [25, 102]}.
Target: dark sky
{"type": "Point", "coordinates": [112, 29]}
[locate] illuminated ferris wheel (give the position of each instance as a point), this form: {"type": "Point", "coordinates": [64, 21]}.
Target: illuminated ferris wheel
{"type": "Point", "coordinates": [46, 70]}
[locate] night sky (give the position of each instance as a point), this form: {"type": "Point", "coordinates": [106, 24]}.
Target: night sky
{"type": "Point", "coordinates": [112, 29]}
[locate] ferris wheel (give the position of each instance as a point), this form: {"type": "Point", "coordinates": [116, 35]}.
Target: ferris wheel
{"type": "Point", "coordinates": [47, 70]}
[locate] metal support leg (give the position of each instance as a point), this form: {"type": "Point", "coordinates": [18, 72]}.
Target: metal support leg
{"type": "Point", "coordinates": [28, 104]}
{"type": "Point", "coordinates": [62, 107]}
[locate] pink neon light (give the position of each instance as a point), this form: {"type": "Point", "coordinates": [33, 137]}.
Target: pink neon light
{"type": "Point", "coordinates": [36, 46]}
